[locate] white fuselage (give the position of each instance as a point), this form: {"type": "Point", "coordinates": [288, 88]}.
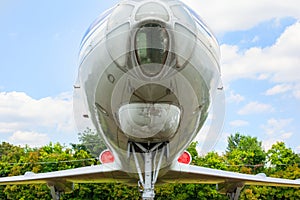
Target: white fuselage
{"type": "Point", "coordinates": [147, 72]}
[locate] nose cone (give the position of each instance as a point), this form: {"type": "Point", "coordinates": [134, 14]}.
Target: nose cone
{"type": "Point", "coordinates": [153, 9]}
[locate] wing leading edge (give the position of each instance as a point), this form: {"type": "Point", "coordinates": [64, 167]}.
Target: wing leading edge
{"type": "Point", "coordinates": [227, 182]}
{"type": "Point", "coordinates": [62, 181]}
{"type": "Point", "coordinates": [97, 173]}
{"type": "Point", "coordinates": [178, 173]}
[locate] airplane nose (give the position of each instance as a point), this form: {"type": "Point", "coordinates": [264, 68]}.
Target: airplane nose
{"type": "Point", "coordinates": [153, 9]}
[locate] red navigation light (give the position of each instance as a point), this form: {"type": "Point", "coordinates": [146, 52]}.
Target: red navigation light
{"type": "Point", "coordinates": [106, 157]}
{"type": "Point", "coordinates": [185, 158]}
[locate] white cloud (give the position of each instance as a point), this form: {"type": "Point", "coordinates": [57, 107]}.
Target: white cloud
{"type": "Point", "coordinates": [267, 143]}
{"type": "Point", "coordinates": [239, 123]}
{"type": "Point", "coordinates": [275, 126]}
{"type": "Point", "coordinates": [255, 39]}
{"type": "Point", "coordinates": [296, 92]}
{"type": "Point", "coordinates": [297, 149]}
{"type": "Point", "coordinates": [278, 89]}
{"type": "Point", "coordinates": [32, 139]}
{"type": "Point", "coordinates": [286, 136]}
{"type": "Point", "coordinates": [232, 15]}
{"type": "Point", "coordinates": [275, 130]}
{"type": "Point", "coordinates": [20, 113]}
{"type": "Point", "coordinates": [278, 63]}
{"type": "Point", "coordinates": [255, 108]}
{"type": "Point", "coordinates": [10, 126]}
{"type": "Point", "coordinates": [263, 76]}
{"type": "Point", "coordinates": [235, 98]}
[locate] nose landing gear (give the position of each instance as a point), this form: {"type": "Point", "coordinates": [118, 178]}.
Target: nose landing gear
{"type": "Point", "coordinates": [152, 162]}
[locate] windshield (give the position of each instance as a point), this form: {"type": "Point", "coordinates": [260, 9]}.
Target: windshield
{"type": "Point", "coordinates": [151, 44]}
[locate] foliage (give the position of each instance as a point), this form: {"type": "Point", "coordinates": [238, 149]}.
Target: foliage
{"type": "Point", "coordinates": [212, 160]}
{"type": "Point", "coordinates": [91, 142]}
{"type": "Point", "coordinates": [281, 157]}
{"type": "Point", "coordinates": [243, 154]}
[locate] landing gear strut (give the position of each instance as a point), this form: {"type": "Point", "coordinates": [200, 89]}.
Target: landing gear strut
{"type": "Point", "coordinates": [54, 192]}
{"type": "Point", "coordinates": [231, 189]}
{"type": "Point", "coordinates": [152, 164]}
{"type": "Point", "coordinates": [59, 187]}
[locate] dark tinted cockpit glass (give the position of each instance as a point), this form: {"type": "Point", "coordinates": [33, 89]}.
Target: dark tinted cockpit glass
{"type": "Point", "coordinates": [151, 44]}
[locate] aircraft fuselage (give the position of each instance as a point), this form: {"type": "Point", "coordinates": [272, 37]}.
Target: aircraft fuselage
{"type": "Point", "coordinates": [148, 70]}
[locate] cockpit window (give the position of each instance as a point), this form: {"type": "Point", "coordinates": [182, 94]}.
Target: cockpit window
{"type": "Point", "coordinates": [151, 44]}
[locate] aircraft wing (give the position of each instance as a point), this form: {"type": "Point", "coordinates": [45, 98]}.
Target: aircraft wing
{"type": "Point", "coordinates": [63, 180]}
{"type": "Point", "coordinates": [228, 182]}
{"type": "Point", "coordinates": [178, 173]}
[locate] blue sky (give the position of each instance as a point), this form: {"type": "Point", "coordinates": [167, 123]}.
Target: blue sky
{"type": "Point", "coordinates": [261, 35]}
{"type": "Point", "coordinates": [40, 42]}
{"type": "Point", "coordinates": [260, 67]}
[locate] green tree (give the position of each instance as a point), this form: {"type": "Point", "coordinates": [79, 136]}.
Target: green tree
{"type": "Point", "coordinates": [213, 160]}
{"type": "Point", "coordinates": [92, 141]}
{"type": "Point", "coordinates": [52, 157]}
{"type": "Point", "coordinates": [283, 164]}
{"type": "Point", "coordinates": [233, 142]}
{"type": "Point", "coordinates": [245, 154]}
{"type": "Point", "coordinates": [282, 157]}
{"type": "Point", "coordinates": [193, 151]}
